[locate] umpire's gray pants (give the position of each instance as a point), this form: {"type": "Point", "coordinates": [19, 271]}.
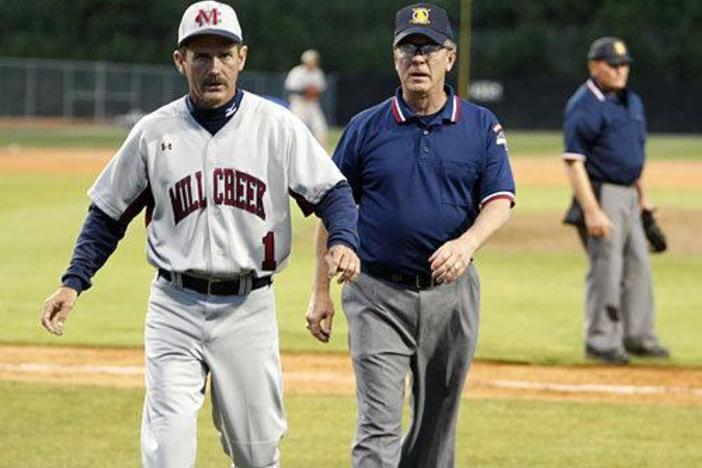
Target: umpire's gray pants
{"type": "Point", "coordinates": [431, 335]}
{"type": "Point", "coordinates": [235, 339]}
{"type": "Point", "coordinates": [619, 287]}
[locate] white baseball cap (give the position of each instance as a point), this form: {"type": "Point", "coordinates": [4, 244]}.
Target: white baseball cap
{"type": "Point", "coordinates": [209, 17]}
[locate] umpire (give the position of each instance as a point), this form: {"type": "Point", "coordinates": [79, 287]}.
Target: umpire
{"type": "Point", "coordinates": [432, 179]}
{"type": "Point", "coordinates": [605, 132]}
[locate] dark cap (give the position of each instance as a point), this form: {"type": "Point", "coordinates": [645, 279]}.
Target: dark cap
{"type": "Point", "coordinates": [425, 19]}
{"type": "Point", "coordinates": [611, 50]}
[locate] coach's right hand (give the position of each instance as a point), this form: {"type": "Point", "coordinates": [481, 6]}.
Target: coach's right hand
{"type": "Point", "coordinates": [342, 261]}
{"type": "Point", "coordinates": [320, 312]}
{"type": "Point", "coordinates": [597, 222]}
{"type": "Point", "coordinates": [56, 309]}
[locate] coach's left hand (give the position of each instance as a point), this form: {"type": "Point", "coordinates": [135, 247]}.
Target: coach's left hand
{"type": "Point", "coordinates": [451, 259]}
{"type": "Point", "coordinates": [343, 263]}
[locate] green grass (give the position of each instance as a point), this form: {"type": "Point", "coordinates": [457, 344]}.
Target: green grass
{"type": "Point", "coordinates": [521, 143]}
{"type": "Point", "coordinates": [79, 136]}
{"type": "Point", "coordinates": [531, 312]}
{"type": "Point", "coordinates": [532, 301]}
{"type": "Point", "coordinates": [532, 308]}
{"type": "Point", "coordinates": [72, 426]}
{"type": "Point", "coordinates": [550, 144]}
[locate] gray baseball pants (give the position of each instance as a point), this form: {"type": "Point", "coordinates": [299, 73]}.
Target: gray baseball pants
{"type": "Point", "coordinates": [429, 334]}
{"type": "Point", "coordinates": [235, 340]}
{"type": "Point", "coordinates": [619, 286]}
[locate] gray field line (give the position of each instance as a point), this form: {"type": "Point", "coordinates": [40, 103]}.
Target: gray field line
{"type": "Point", "coordinates": [332, 376]}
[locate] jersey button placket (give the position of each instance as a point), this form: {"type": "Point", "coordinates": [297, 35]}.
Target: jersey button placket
{"type": "Point", "coordinates": [424, 147]}
{"type": "Point", "coordinates": [210, 163]}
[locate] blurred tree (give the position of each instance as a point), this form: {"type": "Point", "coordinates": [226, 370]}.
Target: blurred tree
{"type": "Point", "coordinates": [510, 38]}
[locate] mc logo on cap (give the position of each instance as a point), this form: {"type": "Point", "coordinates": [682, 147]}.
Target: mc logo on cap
{"type": "Point", "coordinates": [209, 17]}
{"type": "Point", "coordinates": [205, 17]}
{"type": "Point", "coordinates": [420, 16]}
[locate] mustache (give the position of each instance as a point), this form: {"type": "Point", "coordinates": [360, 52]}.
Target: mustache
{"type": "Point", "coordinates": [214, 82]}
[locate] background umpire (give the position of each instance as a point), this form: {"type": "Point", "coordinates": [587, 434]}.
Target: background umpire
{"type": "Point", "coordinates": [605, 132]}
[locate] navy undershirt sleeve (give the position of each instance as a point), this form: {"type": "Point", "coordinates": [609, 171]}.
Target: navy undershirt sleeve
{"type": "Point", "coordinates": [96, 242]}
{"type": "Point", "coordinates": [339, 214]}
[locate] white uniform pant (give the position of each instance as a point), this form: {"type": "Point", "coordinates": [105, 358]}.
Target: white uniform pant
{"type": "Point", "coordinates": [235, 339]}
{"type": "Point", "coordinates": [310, 112]}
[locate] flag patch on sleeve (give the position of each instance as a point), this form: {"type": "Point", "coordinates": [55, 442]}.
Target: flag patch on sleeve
{"type": "Point", "coordinates": [500, 137]}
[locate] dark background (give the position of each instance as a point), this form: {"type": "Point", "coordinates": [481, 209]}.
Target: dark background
{"type": "Point", "coordinates": [536, 49]}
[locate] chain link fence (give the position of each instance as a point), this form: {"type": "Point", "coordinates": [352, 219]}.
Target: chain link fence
{"type": "Point", "coordinates": [104, 90]}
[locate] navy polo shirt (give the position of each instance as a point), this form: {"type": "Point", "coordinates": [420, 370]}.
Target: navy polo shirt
{"type": "Point", "coordinates": [421, 181]}
{"type": "Point", "coordinates": [607, 132]}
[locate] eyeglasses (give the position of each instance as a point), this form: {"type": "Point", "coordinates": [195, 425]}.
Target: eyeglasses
{"type": "Point", "coordinates": [410, 50]}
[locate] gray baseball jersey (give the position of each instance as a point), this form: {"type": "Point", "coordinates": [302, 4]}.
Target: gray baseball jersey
{"type": "Point", "coordinates": [220, 202]}
{"type": "Point", "coordinates": [217, 206]}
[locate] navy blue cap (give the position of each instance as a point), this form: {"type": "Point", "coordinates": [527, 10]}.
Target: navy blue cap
{"type": "Point", "coordinates": [611, 50]}
{"type": "Point", "coordinates": [425, 19]}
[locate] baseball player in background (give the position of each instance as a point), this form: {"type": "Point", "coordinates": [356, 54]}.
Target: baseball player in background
{"type": "Point", "coordinates": [432, 178]}
{"type": "Point", "coordinates": [605, 133]}
{"type": "Point", "coordinates": [305, 83]}
{"type": "Point", "coordinates": [213, 170]}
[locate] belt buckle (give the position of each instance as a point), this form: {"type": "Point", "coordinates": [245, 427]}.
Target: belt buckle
{"type": "Point", "coordinates": [418, 281]}
{"type": "Point", "coordinates": [210, 282]}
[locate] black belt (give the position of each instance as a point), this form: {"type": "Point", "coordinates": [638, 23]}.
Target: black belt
{"type": "Point", "coordinates": [217, 287]}
{"type": "Point", "coordinates": [420, 281]}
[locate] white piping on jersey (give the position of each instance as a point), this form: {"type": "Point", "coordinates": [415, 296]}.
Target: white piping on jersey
{"type": "Point", "coordinates": [596, 91]}
{"type": "Point", "coordinates": [397, 109]}
{"type": "Point", "coordinates": [574, 156]}
{"type": "Point", "coordinates": [454, 112]}
{"type": "Point", "coordinates": [503, 194]}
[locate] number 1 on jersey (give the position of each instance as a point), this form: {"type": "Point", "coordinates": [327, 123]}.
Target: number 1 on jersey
{"type": "Point", "coordinates": [269, 263]}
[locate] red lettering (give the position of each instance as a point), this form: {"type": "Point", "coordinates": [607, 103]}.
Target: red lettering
{"type": "Point", "coordinates": [176, 203]}
{"type": "Point", "coordinates": [187, 194]}
{"type": "Point", "coordinates": [250, 195]}
{"type": "Point", "coordinates": [229, 198]}
{"type": "Point", "coordinates": [217, 175]}
{"type": "Point", "coordinates": [201, 199]}
{"type": "Point", "coordinates": [260, 190]}
{"type": "Point", "coordinates": [182, 201]}
{"type": "Point", "coordinates": [237, 189]}
{"type": "Point", "coordinates": [241, 190]}
{"type": "Point", "coordinates": [210, 18]}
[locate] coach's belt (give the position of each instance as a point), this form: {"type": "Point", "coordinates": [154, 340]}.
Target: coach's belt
{"type": "Point", "coordinates": [420, 281]}
{"type": "Point", "coordinates": [216, 287]}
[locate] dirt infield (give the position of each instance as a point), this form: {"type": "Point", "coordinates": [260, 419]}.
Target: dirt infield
{"type": "Point", "coordinates": [14, 159]}
{"type": "Point", "coordinates": [332, 374]}
{"type": "Point", "coordinates": [543, 171]}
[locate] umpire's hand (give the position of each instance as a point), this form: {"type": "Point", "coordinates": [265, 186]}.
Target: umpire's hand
{"type": "Point", "coordinates": [56, 309]}
{"type": "Point", "coordinates": [451, 260]}
{"type": "Point", "coordinates": [597, 222]}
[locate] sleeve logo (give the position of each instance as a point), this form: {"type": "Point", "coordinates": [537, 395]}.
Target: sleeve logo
{"type": "Point", "coordinates": [500, 137]}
